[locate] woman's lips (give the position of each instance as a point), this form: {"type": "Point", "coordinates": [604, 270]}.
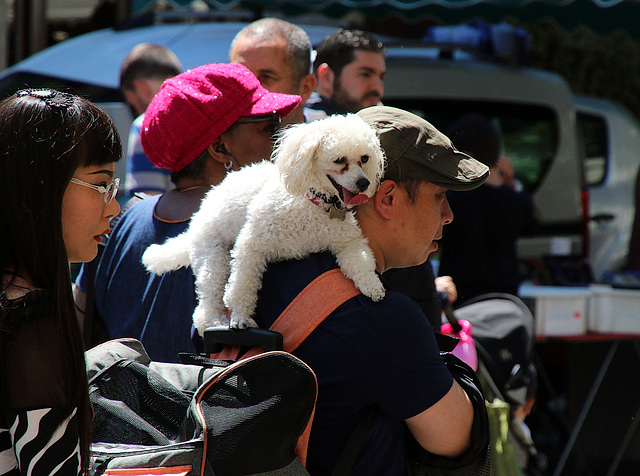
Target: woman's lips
{"type": "Point", "coordinates": [105, 233]}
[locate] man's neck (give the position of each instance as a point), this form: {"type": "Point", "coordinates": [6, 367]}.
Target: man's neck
{"type": "Point", "coordinates": [325, 104]}
{"type": "Point", "coordinates": [372, 233]}
{"type": "Point", "coordinates": [296, 116]}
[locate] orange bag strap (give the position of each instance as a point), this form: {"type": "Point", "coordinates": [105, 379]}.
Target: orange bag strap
{"type": "Point", "coordinates": [310, 307]}
{"type": "Point", "coordinates": [313, 305]}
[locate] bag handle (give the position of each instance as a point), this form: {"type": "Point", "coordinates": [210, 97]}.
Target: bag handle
{"type": "Point", "coordinates": [453, 320]}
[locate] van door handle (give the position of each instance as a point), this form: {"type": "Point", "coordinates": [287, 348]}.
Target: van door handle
{"type": "Point", "coordinates": [602, 217]}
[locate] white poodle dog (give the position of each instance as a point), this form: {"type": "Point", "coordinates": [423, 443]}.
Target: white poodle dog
{"type": "Point", "coordinates": [286, 209]}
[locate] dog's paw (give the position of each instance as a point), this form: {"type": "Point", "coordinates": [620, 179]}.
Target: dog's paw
{"type": "Point", "coordinates": [240, 322]}
{"type": "Point", "coordinates": [202, 321]}
{"type": "Point", "coordinates": [374, 290]}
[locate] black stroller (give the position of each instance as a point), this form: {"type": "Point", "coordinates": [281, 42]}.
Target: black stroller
{"type": "Point", "coordinates": [504, 335]}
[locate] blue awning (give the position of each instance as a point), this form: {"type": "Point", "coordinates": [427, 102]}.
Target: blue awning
{"type": "Point", "coordinates": [409, 6]}
{"type": "Point", "coordinates": [603, 16]}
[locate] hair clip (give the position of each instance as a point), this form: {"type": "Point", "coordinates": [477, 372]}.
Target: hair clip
{"type": "Point", "coordinates": [51, 97]}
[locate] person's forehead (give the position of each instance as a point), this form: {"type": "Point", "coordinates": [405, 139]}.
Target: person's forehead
{"type": "Point", "coordinates": [275, 45]}
{"type": "Point", "coordinates": [369, 60]}
{"type": "Point", "coordinates": [108, 169]}
{"type": "Point", "coordinates": [268, 55]}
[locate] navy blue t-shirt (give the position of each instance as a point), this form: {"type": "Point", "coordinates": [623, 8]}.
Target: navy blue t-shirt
{"type": "Point", "coordinates": [365, 354]}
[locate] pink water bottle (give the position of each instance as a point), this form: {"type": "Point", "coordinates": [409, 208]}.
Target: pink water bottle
{"type": "Point", "coordinates": [465, 350]}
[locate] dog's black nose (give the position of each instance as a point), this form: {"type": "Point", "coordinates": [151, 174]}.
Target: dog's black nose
{"type": "Point", "coordinates": [362, 184]}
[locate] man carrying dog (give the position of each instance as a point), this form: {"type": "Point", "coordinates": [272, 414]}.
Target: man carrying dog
{"type": "Point", "coordinates": [383, 355]}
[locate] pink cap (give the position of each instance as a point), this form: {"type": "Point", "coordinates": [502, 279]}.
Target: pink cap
{"type": "Point", "coordinates": [193, 109]}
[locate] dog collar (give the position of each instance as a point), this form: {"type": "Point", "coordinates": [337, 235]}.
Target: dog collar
{"type": "Point", "coordinates": [339, 213]}
{"type": "Point", "coordinates": [331, 205]}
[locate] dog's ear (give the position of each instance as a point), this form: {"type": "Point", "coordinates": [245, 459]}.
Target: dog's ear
{"type": "Point", "coordinates": [381, 161]}
{"type": "Point", "coordinates": [375, 167]}
{"type": "Point", "coordinates": [294, 155]}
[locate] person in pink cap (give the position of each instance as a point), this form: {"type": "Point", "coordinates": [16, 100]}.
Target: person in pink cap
{"type": "Point", "coordinates": [201, 125]}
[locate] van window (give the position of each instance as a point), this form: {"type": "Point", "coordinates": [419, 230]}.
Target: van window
{"type": "Point", "coordinates": [594, 134]}
{"type": "Point", "coordinates": [529, 133]}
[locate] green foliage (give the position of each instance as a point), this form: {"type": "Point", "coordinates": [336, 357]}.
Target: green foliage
{"type": "Point", "coordinates": [593, 64]}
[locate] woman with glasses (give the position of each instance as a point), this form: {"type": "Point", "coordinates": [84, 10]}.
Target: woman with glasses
{"type": "Point", "coordinates": [57, 189]}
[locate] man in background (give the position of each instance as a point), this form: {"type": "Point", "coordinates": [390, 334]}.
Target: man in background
{"type": "Point", "coordinates": [350, 67]}
{"type": "Point", "coordinates": [479, 250]}
{"type": "Point", "coordinates": [279, 54]}
{"type": "Point", "coordinates": [142, 73]}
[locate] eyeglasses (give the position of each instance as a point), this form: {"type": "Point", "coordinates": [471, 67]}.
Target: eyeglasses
{"type": "Point", "coordinates": [275, 119]}
{"type": "Point", "coordinates": [268, 118]}
{"type": "Point", "coordinates": [109, 192]}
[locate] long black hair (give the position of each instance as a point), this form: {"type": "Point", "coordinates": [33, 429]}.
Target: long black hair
{"type": "Point", "coordinates": [45, 135]}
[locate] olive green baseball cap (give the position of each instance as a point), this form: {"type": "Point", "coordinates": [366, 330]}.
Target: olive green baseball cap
{"type": "Point", "coordinates": [416, 150]}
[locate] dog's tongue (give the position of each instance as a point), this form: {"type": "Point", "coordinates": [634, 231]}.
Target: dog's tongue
{"type": "Point", "coordinates": [351, 200]}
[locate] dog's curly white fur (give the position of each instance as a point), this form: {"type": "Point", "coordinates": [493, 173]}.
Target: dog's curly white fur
{"type": "Point", "coordinates": [276, 211]}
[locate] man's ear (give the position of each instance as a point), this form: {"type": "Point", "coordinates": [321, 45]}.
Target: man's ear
{"type": "Point", "coordinates": [385, 198]}
{"type": "Point", "coordinates": [307, 85]}
{"type": "Point", "coordinates": [133, 98]}
{"type": "Point", "coordinates": [145, 88]}
{"type": "Point", "coordinates": [326, 78]}
{"type": "Point", "coordinates": [141, 94]}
